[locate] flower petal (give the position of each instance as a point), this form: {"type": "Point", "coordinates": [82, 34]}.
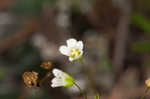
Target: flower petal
{"type": "Point", "coordinates": [58, 73]}
{"type": "Point", "coordinates": [56, 85]}
{"type": "Point", "coordinates": [61, 79]}
{"type": "Point", "coordinates": [80, 45]}
{"type": "Point", "coordinates": [64, 50]}
{"type": "Point", "coordinates": [56, 82]}
{"type": "Point", "coordinates": [71, 59]}
{"type": "Point", "coordinates": [71, 42]}
{"type": "Point", "coordinates": [81, 53]}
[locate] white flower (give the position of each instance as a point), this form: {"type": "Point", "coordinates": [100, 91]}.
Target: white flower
{"type": "Point", "coordinates": [74, 49]}
{"type": "Point", "coordinates": [61, 79]}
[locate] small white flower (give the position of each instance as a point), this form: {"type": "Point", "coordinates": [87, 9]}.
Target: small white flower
{"type": "Point", "coordinates": [74, 49]}
{"type": "Point", "coordinates": [61, 79]}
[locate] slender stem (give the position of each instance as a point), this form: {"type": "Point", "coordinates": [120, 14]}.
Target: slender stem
{"type": "Point", "coordinates": [84, 68]}
{"type": "Point", "coordinates": [36, 93]}
{"type": "Point", "coordinates": [85, 96]}
{"type": "Point", "coordinates": [40, 82]}
{"type": "Point", "coordinates": [146, 90]}
{"type": "Point", "coordinates": [89, 75]}
{"type": "Point", "coordinates": [45, 77]}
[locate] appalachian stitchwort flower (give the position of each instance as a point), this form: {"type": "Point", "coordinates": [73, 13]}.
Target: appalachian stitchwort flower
{"type": "Point", "coordinates": [61, 79]}
{"type": "Point", "coordinates": [74, 49]}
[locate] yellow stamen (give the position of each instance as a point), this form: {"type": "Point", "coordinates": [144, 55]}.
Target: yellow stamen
{"type": "Point", "coordinates": [75, 52]}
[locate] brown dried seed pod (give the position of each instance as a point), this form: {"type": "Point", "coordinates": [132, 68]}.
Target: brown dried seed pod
{"type": "Point", "coordinates": [46, 65]}
{"type": "Point", "coordinates": [30, 79]}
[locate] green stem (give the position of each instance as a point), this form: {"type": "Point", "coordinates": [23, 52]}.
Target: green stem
{"type": "Point", "coordinates": [85, 96]}
{"type": "Point", "coordinates": [146, 90]}
{"type": "Point", "coordinates": [86, 71]}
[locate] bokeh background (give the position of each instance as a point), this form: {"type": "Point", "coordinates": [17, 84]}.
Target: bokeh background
{"type": "Point", "coordinates": [116, 36]}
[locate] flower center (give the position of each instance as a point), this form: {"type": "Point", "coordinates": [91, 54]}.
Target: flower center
{"type": "Point", "coordinates": [75, 52]}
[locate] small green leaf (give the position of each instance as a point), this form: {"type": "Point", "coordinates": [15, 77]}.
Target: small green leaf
{"type": "Point", "coordinates": [142, 22]}
{"type": "Point", "coordinates": [141, 46]}
{"type": "Point", "coordinates": [147, 63]}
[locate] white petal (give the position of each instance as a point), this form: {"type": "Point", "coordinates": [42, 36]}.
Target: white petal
{"type": "Point", "coordinates": [71, 59]}
{"type": "Point", "coordinates": [64, 50]}
{"type": "Point", "coordinates": [56, 85]}
{"type": "Point", "coordinates": [81, 53]}
{"type": "Point", "coordinates": [58, 73]}
{"type": "Point", "coordinates": [71, 42]}
{"type": "Point", "coordinates": [80, 45]}
{"type": "Point", "coordinates": [77, 57]}
{"type": "Point", "coordinates": [56, 82]}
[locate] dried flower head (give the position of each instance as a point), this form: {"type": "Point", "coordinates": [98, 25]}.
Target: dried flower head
{"type": "Point", "coordinates": [147, 82]}
{"type": "Point", "coordinates": [30, 79]}
{"type": "Point", "coordinates": [46, 65]}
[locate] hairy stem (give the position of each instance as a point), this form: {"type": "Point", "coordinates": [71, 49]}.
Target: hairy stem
{"type": "Point", "coordinates": [90, 79]}
{"type": "Point", "coordinates": [85, 96]}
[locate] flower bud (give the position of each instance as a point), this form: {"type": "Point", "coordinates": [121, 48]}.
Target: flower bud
{"type": "Point", "coordinates": [61, 79]}
{"type": "Point", "coordinates": [147, 82]}
{"type": "Point", "coordinates": [46, 65]}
